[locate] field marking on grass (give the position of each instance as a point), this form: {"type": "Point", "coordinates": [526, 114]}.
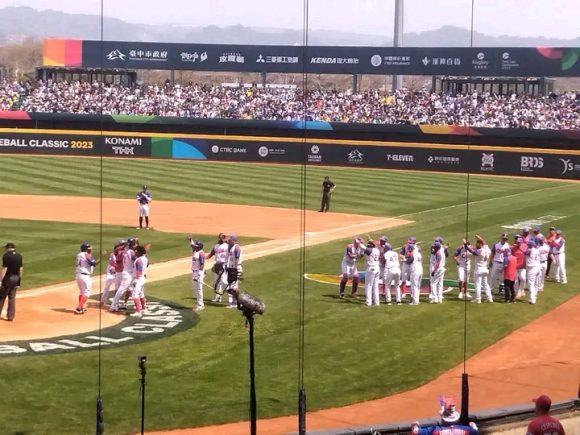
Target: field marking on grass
{"type": "Point", "coordinates": [480, 201]}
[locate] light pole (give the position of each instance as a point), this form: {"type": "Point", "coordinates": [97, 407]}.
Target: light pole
{"type": "Point", "coordinates": [398, 38]}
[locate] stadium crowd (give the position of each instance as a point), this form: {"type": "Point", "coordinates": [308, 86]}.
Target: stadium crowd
{"type": "Point", "coordinates": [368, 106]}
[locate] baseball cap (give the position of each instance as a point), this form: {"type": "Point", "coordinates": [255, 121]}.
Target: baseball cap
{"type": "Point", "coordinates": [10, 245]}
{"type": "Point", "coordinates": [525, 230]}
{"type": "Point", "coordinates": [532, 243]}
{"type": "Point", "coordinates": [503, 235]}
{"type": "Point", "coordinates": [552, 228]}
{"type": "Point", "coordinates": [234, 238]}
{"type": "Point", "coordinates": [559, 232]}
{"type": "Point", "coordinates": [384, 239]}
{"type": "Point", "coordinates": [537, 228]}
{"type": "Point", "coordinates": [412, 240]}
{"type": "Point", "coordinates": [144, 186]}
{"type": "Point", "coordinates": [439, 239]}
{"type": "Point", "coordinates": [540, 237]}
{"type": "Point", "coordinates": [543, 402]}
{"type": "Point", "coordinates": [358, 239]}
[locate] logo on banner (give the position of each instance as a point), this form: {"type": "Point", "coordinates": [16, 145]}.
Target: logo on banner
{"type": "Point", "coordinates": [116, 55]}
{"type": "Point", "coordinates": [480, 62]}
{"type": "Point", "coordinates": [228, 150]}
{"type": "Point", "coordinates": [487, 162]}
{"type": "Point", "coordinates": [335, 60]}
{"type": "Point", "coordinates": [425, 61]}
{"type": "Point", "coordinates": [276, 59]}
{"type": "Point", "coordinates": [193, 57]}
{"type": "Point", "coordinates": [355, 156]}
{"type": "Point", "coordinates": [568, 165]}
{"type": "Point", "coordinates": [529, 163]}
{"type": "Point", "coordinates": [507, 62]}
{"type": "Point", "coordinates": [263, 151]}
{"type": "Point", "coordinates": [400, 158]}
{"type": "Point", "coordinates": [232, 58]}
{"type": "Point", "coordinates": [376, 60]}
{"type": "Point", "coordinates": [443, 160]}
{"type": "Point", "coordinates": [314, 156]}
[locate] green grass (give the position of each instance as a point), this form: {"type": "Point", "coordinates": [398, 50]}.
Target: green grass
{"type": "Point", "coordinates": [370, 192]}
{"type": "Point", "coordinates": [49, 248]}
{"type": "Point", "coordinates": [352, 353]}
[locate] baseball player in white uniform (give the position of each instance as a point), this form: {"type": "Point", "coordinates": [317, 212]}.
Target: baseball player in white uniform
{"type": "Point", "coordinates": [392, 274]}
{"type": "Point", "coordinates": [372, 274]}
{"type": "Point", "coordinates": [85, 263]}
{"type": "Point", "coordinates": [220, 252]}
{"type": "Point", "coordinates": [109, 276]}
{"type": "Point", "coordinates": [140, 277]}
{"type": "Point", "coordinates": [128, 272]}
{"type": "Point", "coordinates": [382, 243]}
{"type": "Point", "coordinates": [498, 252]}
{"type": "Point", "coordinates": [544, 252]}
{"type": "Point", "coordinates": [197, 272]}
{"type": "Point", "coordinates": [532, 270]}
{"type": "Point", "coordinates": [144, 198]}
{"type": "Point", "coordinates": [482, 254]}
{"type": "Point", "coordinates": [415, 259]}
{"type": "Point", "coordinates": [233, 261]}
{"type": "Point", "coordinates": [463, 262]}
{"type": "Point", "coordinates": [348, 267]}
{"type": "Point", "coordinates": [437, 272]}
{"type": "Point", "coordinates": [559, 253]}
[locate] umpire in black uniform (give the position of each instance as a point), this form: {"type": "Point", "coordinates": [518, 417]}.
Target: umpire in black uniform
{"type": "Point", "coordinates": [10, 279]}
{"type": "Point", "coordinates": [327, 189]}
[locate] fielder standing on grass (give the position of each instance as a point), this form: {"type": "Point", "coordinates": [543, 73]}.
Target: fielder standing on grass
{"type": "Point", "coordinates": [144, 199]}
{"type": "Point", "coordinates": [327, 189]}
{"type": "Point", "coordinates": [10, 278]}
{"type": "Point", "coordinates": [197, 272]}
{"type": "Point", "coordinates": [138, 292]}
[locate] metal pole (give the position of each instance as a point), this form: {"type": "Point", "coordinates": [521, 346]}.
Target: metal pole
{"type": "Point", "coordinates": [253, 406]}
{"type": "Point", "coordinates": [142, 361]}
{"type": "Point", "coordinates": [398, 38]}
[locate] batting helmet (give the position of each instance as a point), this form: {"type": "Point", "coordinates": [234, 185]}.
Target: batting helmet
{"type": "Point", "coordinates": [140, 250]}
{"type": "Point", "coordinates": [120, 243]}
{"type": "Point", "coordinates": [85, 246]}
{"type": "Point", "coordinates": [132, 241]}
{"type": "Point", "coordinates": [198, 244]}
{"type": "Point", "coordinates": [144, 187]}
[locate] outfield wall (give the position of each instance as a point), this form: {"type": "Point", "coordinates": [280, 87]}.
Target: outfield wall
{"type": "Point", "coordinates": [552, 154]}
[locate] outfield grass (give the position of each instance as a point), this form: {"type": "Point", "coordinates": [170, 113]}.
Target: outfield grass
{"type": "Point", "coordinates": [372, 192]}
{"type": "Point", "coordinates": [353, 353]}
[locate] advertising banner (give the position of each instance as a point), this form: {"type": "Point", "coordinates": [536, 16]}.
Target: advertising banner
{"type": "Point", "coordinates": [462, 61]}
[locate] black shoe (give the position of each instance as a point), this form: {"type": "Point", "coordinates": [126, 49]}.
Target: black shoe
{"type": "Point", "coordinates": [341, 296]}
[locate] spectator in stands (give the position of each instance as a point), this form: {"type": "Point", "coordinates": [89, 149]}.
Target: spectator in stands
{"type": "Point", "coordinates": [544, 424]}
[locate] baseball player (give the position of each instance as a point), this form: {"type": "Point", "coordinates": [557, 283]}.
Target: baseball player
{"type": "Point", "coordinates": [482, 254]}
{"type": "Point", "coordinates": [197, 272]}
{"type": "Point", "coordinates": [544, 251]}
{"type": "Point", "coordinates": [233, 268]}
{"type": "Point", "coordinates": [526, 236]}
{"type": "Point", "coordinates": [139, 276]}
{"type": "Point", "coordinates": [549, 241]}
{"type": "Point", "coordinates": [415, 259]}
{"type": "Point", "coordinates": [392, 274]}
{"type": "Point", "coordinates": [496, 261]}
{"type": "Point", "coordinates": [85, 263]}
{"type": "Point", "coordinates": [352, 252]}
{"type": "Point", "coordinates": [463, 262]}
{"type": "Point", "coordinates": [111, 272]}
{"type": "Point", "coordinates": [537, 232]}
{"type": "Point", "coordinates": [144, 199]}
{"type": "Point", "coordinates": [220, 252]}
{"type": "Point", "coordinates": [372, 274]}
{"type": "Point", "coordinates": [127, 273]}
{"type": "Point", "coordinates": [383, 240]}
{"type": "Point", "coordinates": [437, 272]}
{"type": "Point", "coordinates": [532, 270]}
{"type": "Point", "coordinates": [405, 252]}
{"type": "Point", "coordinates": [519, 249]}
{"type": "Point", "coordinates": [559, 253]}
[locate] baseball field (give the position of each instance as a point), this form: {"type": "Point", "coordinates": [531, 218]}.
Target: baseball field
{"type": "Point", "coordinates": [53, 368]}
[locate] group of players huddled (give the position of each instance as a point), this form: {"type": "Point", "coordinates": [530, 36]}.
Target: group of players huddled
{"type": "Point", "coordinates": [126, 268]}
{"type": "Point", "coordinates": [525, 263]}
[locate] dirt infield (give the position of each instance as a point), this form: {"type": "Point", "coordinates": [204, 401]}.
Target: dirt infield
{"type": "Point", "coordinates": [542, 357]}
{"type": "Point", "coordinates": [48, 312]}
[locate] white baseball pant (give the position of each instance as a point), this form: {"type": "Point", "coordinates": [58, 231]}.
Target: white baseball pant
{"type": "Point", "coordinates": [126, 280]}
{"type": "Point", "coordinates": [542, 275]}
{"type": "Point", "coordinates": [197, 285]}
{"type": "Point", "coordinates": [532, 275]}
{"type": "Point", "coordinates": [560, 263]}
{"type": "Point", "coordinates": [520, 284]}
{"type": "Point", "coordinates": [437, 285]}
{"type": "Point", "coordinates": [392, 277]}
{"type": "Point", "coordinates": [84, 283]}
{"type": "Point", "coordinates": [372, 277]}
{"type": "Point", "coordinates": [110, 279]}
{"type": "Point", "coordinates": [496, 274]}
{"type": "Point", "coordinates": [416, 278]}
{"type": "Point", "coordinates": [480, 278]}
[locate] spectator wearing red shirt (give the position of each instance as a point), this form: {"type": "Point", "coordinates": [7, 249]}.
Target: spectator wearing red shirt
{"type": "Point", "coordinates": [544, 424]}
{"type": "Point", "coordinates": [509, 277]}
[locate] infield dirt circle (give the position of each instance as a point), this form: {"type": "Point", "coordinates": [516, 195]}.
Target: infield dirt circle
{"type": "Point", "coordinates": [512, 371]}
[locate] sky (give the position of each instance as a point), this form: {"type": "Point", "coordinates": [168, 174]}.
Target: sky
{"type": "Point", "coordinates": [549, 18]}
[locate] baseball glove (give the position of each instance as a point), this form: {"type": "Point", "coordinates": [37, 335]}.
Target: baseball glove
{"type": "Point", "coordinates": [232, 274]}
{"type": "Point", "coordinates": [217, 268]}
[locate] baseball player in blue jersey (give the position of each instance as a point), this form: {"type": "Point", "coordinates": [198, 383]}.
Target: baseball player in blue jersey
{"type": "Point", "coordinates": [144, 199]}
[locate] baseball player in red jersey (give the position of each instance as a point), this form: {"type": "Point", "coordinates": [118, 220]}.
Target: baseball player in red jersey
{"type": "Point", "coordinates": [518, 250]}
{"type": "Point", "coordinates": [353, 251]}
{"type": "Point", "coordinates": [127, 274]}
{"type": "Point", "coordinates": [544, 424]}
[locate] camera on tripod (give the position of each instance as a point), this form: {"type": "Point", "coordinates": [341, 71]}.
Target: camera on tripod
{"type": "Point", "coordinates": [142, 360]}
